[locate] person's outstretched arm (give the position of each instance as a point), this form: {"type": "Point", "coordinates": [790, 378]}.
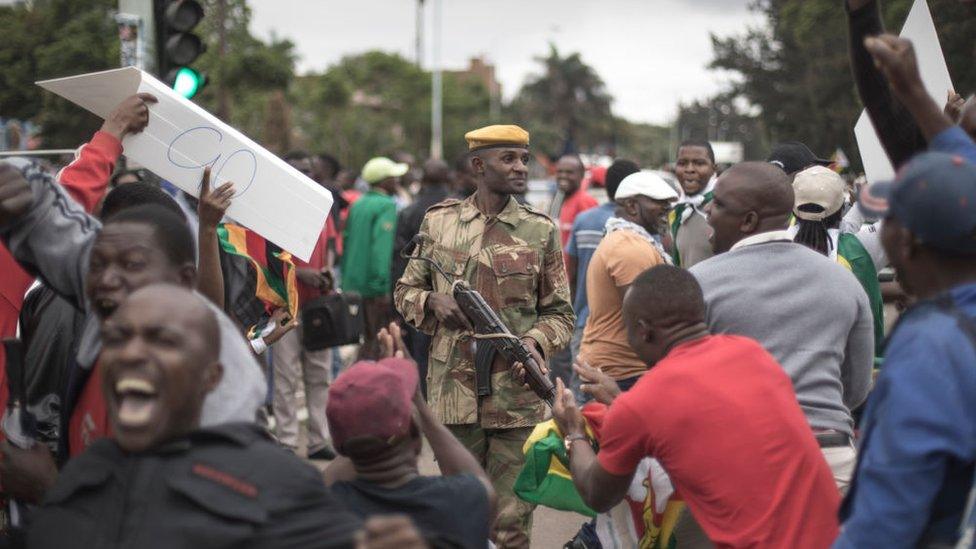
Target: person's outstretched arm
{"type": "Point", "coordinates": [599, 488]}
{"type": "Point", "coordinates": [897, 131]}
{"type": "Point", "coordinates": [86, 177]}
{"type": "Point", "coordinates": [46, 231]}
{"type": "Point", "coordinates": [213, 204]}
{"type": "Point", "coordinates": [895, 57]}
{"type": "Point", "coordinates": [451, 456]}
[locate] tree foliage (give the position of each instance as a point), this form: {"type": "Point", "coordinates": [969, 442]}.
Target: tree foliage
{"type": "Point", "coordinates": [379, 103]}
{"type": "Point", "coordinates": [647, 144]}
{"type": "Point", "coordinates": [567, 106]}
{"type": "Point", "coordinates": [721, 119]}
{"type": "Point", "coordinates": [796, 70]}
{"type": "Point", "coordinates": [367, 104]}
{"type": "Point", "coordinates": [247, 76]}
{"type": "Point", "coordinates": [50, 39]}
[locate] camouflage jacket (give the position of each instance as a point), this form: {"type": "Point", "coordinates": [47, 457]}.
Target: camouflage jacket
{"type": "Point", "coordinates": [514, 260]}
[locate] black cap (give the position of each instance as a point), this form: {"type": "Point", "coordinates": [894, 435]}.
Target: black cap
{"type": "Point", "coordinates": [793, 156]}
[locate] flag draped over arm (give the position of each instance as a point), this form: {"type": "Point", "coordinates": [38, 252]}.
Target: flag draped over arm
{"type": "Point", "coordinates": [645, 519]}
{"type": "Point", "coordinates": [277, 285]}
{"type": "Point", "coordinates": [545, 478]}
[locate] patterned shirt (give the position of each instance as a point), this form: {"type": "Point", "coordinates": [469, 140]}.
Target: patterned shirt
{"type": "Point", "coordinates": [514, 260]}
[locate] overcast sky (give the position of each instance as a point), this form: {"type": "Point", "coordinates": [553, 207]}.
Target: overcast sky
{"type": "Point", "coordinates": [651, 53]}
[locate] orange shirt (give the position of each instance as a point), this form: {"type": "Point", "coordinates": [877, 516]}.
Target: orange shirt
{"type": "Point", "coordinates": [620, 257]}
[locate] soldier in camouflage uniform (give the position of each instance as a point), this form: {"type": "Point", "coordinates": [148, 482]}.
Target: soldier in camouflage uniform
{"type": "Point", "coordinates": [510, 253]}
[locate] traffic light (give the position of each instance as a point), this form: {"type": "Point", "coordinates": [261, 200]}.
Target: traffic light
{"type": "Point", "coordinates": [177, 46]}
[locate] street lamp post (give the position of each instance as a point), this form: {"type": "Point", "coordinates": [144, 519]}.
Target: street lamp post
{"type": "Point", "coordinates": [436, 98]}
{"type": "Point", "coordinates": [419, 35]}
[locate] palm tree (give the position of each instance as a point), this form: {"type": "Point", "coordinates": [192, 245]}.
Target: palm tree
{"type": "Point", "coordinates": [569, 99]}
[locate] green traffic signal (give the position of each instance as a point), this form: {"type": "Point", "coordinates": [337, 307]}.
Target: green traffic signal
{"type": "Point", "coordinates": [178, 47]}
{"type": "Point", "coordinates": [187, 82]}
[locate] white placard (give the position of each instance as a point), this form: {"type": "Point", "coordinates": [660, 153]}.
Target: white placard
{"type": "Point", "coordinates": [920, 29]}
{"type": "Point", "coordinates": [272, 199]}
{"type": "Point", "coordinates": [877, 166]}
{"type": "Point", "coordinates": [727, 152]}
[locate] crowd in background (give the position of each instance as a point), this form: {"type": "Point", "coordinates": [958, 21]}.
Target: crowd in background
{"type": "Point", "coordinates": [793, 353]}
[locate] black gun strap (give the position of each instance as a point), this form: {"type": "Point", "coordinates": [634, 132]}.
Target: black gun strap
{"type": "Point", "coordinates": [484, 357]}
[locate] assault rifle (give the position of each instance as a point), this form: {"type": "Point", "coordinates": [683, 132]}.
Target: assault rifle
{"type": "Point", "coordinates": [490, 332]}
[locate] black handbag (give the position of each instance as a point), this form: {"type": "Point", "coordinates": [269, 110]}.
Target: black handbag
{"type": "Point", "coordinates": [332, 320]}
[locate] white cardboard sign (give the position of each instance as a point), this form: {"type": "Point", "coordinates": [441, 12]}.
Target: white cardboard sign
{"type": "Point", "coordinates": [272, 198]}
{"type": "Point", "coordinates": [920, 29]}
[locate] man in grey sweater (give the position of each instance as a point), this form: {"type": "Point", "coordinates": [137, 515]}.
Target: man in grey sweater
{"type": "Point", "coordinates": [809, 312]}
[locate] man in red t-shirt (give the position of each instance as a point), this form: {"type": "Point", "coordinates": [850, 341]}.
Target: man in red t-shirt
{"type": "Point", "coordinates": [569, 177]}
{"type": "Point", "coordinates": [719, 414]}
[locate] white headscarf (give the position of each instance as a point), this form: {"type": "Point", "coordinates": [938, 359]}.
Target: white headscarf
{"type": "Point", "coordinates": [621, 224]}
{"type": "Point", "coordinates": [695, 202]}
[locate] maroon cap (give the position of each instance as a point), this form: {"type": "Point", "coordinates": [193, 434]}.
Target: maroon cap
{"type": "Point", "coordinates": [372, 399]}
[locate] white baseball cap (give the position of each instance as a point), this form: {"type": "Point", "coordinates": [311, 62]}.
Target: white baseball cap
{"type": "Point", "coordinates": [819, 186]}
{"type": "Point", "coordinates": [646, 184]}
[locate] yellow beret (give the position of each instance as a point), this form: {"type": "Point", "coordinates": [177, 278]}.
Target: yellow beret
{"type": "Point", "coordinates": [497, 136]}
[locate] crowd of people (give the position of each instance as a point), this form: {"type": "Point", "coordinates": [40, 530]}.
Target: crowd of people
{"type": "Point", "coordinates": [728, 322]}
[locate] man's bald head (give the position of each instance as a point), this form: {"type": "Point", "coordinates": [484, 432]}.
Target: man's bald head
{"type": "Point", "coordinates": [160, 359]}
{"type": "Point", "coordinates": [183, 305]}
{"type": "Point", "coordinates": [759, 186]}
{"type": "Point", "coordinates": [750, 198]}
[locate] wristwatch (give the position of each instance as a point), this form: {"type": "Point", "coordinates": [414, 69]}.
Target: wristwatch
{"type": "Point", "coordinates": [568, 441]}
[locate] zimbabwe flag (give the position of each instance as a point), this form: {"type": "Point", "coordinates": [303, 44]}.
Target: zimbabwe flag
{"type": "Point", "coordinates": [276, 285]}
{"type": "Point", "coordinates": [645, 518]}
{"type": "Point", "coordinates": [545, 478]}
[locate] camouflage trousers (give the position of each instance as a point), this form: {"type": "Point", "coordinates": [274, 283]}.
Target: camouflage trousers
{"type": "Point", "coordinates": [500, 453]}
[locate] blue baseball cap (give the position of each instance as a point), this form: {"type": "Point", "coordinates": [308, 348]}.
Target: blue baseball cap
{"type": "Point", "coordinates": [934, 196]}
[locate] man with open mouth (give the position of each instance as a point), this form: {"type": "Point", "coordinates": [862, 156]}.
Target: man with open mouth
{"type": "Point", "coordinates": [96, 267]}
{"type": "Point", "coordinates": [165, 481]}
{"type": "Point", "coordinates": [695, 169]}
